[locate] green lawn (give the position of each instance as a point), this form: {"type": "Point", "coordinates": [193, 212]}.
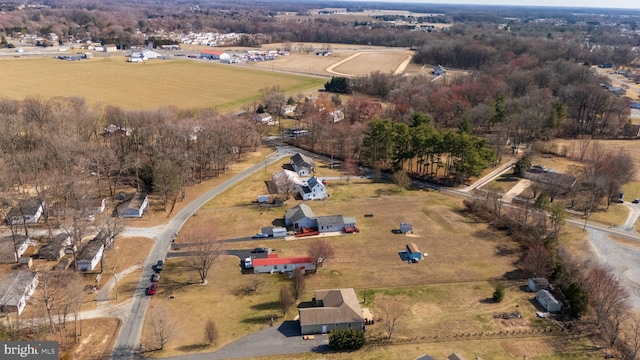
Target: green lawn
{"type": "Point", "coordinates": [154, 84]}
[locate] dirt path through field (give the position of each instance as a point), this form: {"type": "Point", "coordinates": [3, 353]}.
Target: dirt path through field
{"type": "Point", "coordinates": [402, 66]}
{"type": "Point", "coordinates": [330, 68]}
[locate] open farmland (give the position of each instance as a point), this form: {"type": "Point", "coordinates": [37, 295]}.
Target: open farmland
{"type": "Point", "coordinates": [154, 84]}
{"type": "Point", "coordinates": [364, 63]}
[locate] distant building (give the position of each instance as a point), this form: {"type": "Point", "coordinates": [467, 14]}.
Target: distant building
{"type": "Point", "coordinates": [439, 70]}
{"type": "Point", "coordinates": [26, 211]}
{"type": "Point", "coordinates": [264, 118]}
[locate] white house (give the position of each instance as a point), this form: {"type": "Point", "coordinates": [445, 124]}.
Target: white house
{"type": "Point", "coordinates": [338, 115]}
{"type": "Point", "coordinates": [302, 164]}
{"type": "Point", "coordinates": [313, 189]}
{"type": "Point", "coordinates": [274, 264]}
{"type": "Point", "coordinates": [135, 207]}
{"type": "Point", "coordinates": [16, 289]}
{"type": "Point", "coordinates": [439, 70]}
{"type": "Point", "coordinates": [264, 118]}
{"type": "Point", "coordinates": [12, 244]}
{"type": "Point", "coordinates": [26, 211]}
{"type": "Point", "coordinates": [90, 255]}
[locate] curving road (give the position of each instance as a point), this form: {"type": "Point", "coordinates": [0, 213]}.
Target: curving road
{"type": "Point", "coordinates": [127, 344]}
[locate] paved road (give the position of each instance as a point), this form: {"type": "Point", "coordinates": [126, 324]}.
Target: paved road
{"type": "Point", "coordinates": [281, 339]}
{"type": "Point", "coordinates": [129, 337]}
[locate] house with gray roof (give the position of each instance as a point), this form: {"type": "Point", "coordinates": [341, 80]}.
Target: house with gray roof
{"type": "Point", "coordinates": [15, 290]}
{"type": "Point", "coordinates": [54, 250]}
{"type": "Point", "coordinates": [135, 207]}
{"type": "Point", "coordinates": [302, 164]}
{"type": "Point", "coordinates": [26, 212]}
{"type": "Point", "coordinates": [12, 244]}
{"type": "Point", "coordinates": [92, 252]}
{"type": "Point", "coordinates": [300, 216]}
{"type": "Point", "coordinates": [333, 309]}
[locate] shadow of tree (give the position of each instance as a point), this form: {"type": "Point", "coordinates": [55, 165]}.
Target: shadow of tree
{"type": "Point", "coordinates": [193, 347]}
{"type": "Point", "coordinates": [259, 320]}
{"type": "Point", "coordinates": [272, 305]}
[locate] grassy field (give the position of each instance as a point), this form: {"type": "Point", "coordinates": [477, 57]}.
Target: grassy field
{"type": "Point", "coordinates": [154, 84]}
{"type": "Point", "coordinates": [448, 292]}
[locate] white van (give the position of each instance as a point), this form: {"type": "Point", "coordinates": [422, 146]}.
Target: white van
{"type": "Point", "coordinates": [248, 263]}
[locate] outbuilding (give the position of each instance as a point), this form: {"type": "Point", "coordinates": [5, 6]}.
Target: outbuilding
{"type": "Point", "coordinates": [406, 227]}
{"type": "Point", "coordinates": [548, 301]}
{"type": "Point", "coordinates": [537, 284]}
{"type": "Point", "coordinates": [413, 253]}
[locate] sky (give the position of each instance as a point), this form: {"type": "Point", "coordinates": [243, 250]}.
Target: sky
{"type": "Point", "coordinates": [625, 4]}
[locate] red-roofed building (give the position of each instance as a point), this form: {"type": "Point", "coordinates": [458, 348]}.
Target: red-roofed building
{"type": "Point", "coordinates": [273, 264]}
{"type": "Point", "coordinates": [214, 55]}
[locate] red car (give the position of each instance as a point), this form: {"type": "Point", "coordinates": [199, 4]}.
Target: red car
{"type": "Point", "coordinates": [151, 290]}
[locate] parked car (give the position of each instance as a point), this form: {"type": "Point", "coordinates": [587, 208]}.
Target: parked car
{"type": "Point", "coordinates": [158, 266]}
{"type": "Point", "coordinates": [636, 201]}
{"type": "Point", "coordinates": [152, 289]}
{"type": "Point", "coordinates": [155, 277]}
{"type": "Point", "coordinates": [248, 263]}
{"type": "Point", "coordinates": [260, 236]}
{"type": "Point", "coordinates": [260, 250]}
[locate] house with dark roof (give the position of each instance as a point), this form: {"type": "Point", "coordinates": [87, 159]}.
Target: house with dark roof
{"type": "Point", "coordinates": [12, 244]}
{"type": "Point", "coordinates": [92, 252]}
{"type": "Point", "coordinates": [334, 309]}
{"type": "Point", "coordinates": [135, 207]}
{"type": "Point", "coordinates": [275, 264]}
{"type": "Point", "coordinates": [555, 179]}
{"type": "Point", "coordinates": [15, 290]}
{"type": "Point", "coordinates": [26, 211]}
{"type": "Point", "coordinates": [313, 189]}
{"type": "Point", "coordinates": [54, 250]}
{"type": "Point", "coordinates": [302, 164]}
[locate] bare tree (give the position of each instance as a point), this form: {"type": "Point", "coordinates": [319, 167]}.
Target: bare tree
{"type": "Point", "coordinates": [393, 311]}
{"type": "Point", "coordinates": [298, 284]}
{"type": "Point", "coordinates": [632, 336]}
{"type": "Point", "coordinates": [320, 251]}
{"type": "Point", "coordinates": [609, 300]}
{"type": "Point", "coordinates": [538, 260]}
{"type": "Point", "coordinates": [51, 292]}
{"type": "Point", "coordinates": [286, 300]}
{"type": "Point", "coordinates": [205, 253]}
{"type": "Point", "coordinates": [210, 332]}
{"type": "Point", "coordinates": [349, 168]}
{"type": "Point", "coordinates": [162, 325]}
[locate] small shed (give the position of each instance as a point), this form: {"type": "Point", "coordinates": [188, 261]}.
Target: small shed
{"type": "Point", "coordinates": [406, 227]}
{"type": "Point", "coordinates": [413, 253]}
{"type": "Point", "coordinates": [263, 199]}
{"type": "Point", "coordinates": [537, 284]}
{"type": "Point", "coordinates": [548, 301]}
{"type": "Point", "coordinates": [25, 263]}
